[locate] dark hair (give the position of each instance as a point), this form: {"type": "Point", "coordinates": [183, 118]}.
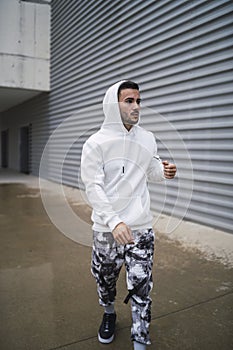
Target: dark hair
{"type": "Point", "coordinates": [128, 84]}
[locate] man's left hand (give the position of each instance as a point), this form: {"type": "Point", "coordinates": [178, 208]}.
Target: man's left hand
{"type": "Point", "coordinates": [169, 170]}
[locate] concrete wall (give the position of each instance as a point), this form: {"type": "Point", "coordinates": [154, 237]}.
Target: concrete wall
{"type": "Point", "coordinates": [24, 45]}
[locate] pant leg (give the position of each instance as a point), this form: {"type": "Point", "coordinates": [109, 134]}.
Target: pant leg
{"type": "Point", "coordinates": [139, 263]}
{"type": "Point", "coordinates": [107, 260]}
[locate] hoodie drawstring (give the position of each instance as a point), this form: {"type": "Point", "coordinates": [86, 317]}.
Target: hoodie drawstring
{"type": "Point", "coordinates": [123, 165]}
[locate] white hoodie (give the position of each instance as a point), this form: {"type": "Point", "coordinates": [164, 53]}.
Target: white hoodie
{"type": "Point", "coordinates": [115, 166]}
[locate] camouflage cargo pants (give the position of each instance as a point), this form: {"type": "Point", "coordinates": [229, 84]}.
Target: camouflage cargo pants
{"type": "Point", "coordinates": [107, 260]}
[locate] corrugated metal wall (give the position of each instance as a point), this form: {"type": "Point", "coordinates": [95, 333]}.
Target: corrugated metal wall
{"type": "Point", "coordinates": [180, 52]}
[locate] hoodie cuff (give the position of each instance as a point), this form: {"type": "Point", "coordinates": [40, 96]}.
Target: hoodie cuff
{"type": "Point", "coordinates": [114, 222]}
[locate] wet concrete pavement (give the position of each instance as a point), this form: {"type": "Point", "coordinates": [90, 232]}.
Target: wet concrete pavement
{"type": "Point", "coordinates": [48, 297]}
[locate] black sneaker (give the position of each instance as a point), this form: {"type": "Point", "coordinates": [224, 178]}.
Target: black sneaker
{"type": "Point", "coordinates": [107, 328]}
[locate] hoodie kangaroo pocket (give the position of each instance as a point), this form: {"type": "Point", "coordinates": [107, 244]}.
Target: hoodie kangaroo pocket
{"type": "Point", "coordinates": [136, 211]}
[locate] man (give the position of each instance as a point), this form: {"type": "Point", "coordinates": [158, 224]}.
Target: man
{"type": "Point", "coordinates": [116, 164]}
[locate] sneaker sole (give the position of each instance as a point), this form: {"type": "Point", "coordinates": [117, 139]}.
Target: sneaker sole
{"type": "Point", "coordinates": [105, 341]}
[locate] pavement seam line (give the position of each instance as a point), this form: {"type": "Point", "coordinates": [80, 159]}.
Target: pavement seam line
{"type": "Point", "coordinates": [74, 342]}
{"type": "Point", "coordinates": [153, 318]}
{"type": "Point", "coordinates": [193, 305]}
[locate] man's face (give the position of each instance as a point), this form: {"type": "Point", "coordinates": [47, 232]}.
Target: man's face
{"type": "Point", "coordinates": [129, 103]}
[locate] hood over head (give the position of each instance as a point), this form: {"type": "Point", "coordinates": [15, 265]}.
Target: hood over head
{"type": "Point", "coordinates": [111, 109]}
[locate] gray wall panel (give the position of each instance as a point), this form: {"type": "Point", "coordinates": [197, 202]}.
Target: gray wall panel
{"type": "Point", "coordinates": [181, 53]}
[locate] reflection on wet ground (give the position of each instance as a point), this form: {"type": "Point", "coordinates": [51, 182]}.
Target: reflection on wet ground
{"type": "Point", "coordinates": [48, 297]}
{"type": "Point", "coordinates": [42, 278]}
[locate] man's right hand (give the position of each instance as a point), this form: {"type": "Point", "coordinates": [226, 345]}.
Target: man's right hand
{"type": "Point", "coordinates": [123, 234]}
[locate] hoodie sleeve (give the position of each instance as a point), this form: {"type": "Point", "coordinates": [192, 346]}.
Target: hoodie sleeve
{"type": "Point", "coordinates": [92, 174]}
{"type": "Point", "coordinates": [155, 169]}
